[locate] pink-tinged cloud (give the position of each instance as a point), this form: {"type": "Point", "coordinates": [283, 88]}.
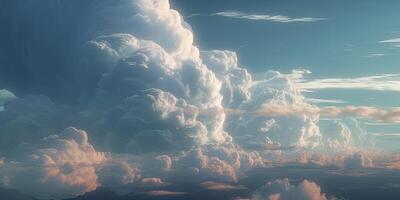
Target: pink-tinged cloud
{"type": "Point", "coordinates": [164, 193]}
{"type": "Point", "coordinates": [211, 185]}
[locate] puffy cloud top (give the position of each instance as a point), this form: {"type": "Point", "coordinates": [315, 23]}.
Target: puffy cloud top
{"type": "Point", "coordinates": [281, 189]}
{"type": "Point", "coordinates": [62, 166]}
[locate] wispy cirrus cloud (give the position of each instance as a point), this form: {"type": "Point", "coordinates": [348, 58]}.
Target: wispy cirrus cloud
{"type": "Point", "coordinates": [380, 82]}
{"type": "Point", "coordinates": [262, 17]}
{"type": "Point", "coordinates": [393, 40]}
{"type": "Point", "coordinates": [374, 55]}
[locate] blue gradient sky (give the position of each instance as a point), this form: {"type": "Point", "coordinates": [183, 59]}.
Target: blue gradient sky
{"type": "Point", "coordinates": [348, 43]}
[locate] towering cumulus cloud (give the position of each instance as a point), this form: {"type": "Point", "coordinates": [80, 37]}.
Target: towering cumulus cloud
{"type": "Point", "coordinates": [152, 104]}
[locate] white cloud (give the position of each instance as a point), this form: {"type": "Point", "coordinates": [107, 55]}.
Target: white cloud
{"type": "Point", "coordinates": [394, 40]}
{"type": "Point", "coordinates": [281, 189]}
{"type": "Point", "coordinates": [272, 18]}
{"type": "Point", "coordinates": [331, 101]}
{"type": "Point", "coordinates": [137, 83]}
{"type": "Point", "coordinates": [374, 55]}
{"type": "Point", "coordinates": [380, 82]}
{"type": "Point", "coordinates": [364, 112]}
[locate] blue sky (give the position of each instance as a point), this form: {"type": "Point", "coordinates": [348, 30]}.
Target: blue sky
{"type": "Point", "coordinates": [345, 44]}
{"type": "Point", "coordinates": [342, 40]}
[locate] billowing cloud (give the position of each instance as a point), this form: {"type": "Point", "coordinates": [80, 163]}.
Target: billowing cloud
{"type": "Point", "coordinates": [63, 166]}
{"type": "Point", "coordinates": [118, 173]}
{"type": "Point", "coordinates": [281, 189]}
{"type": "Point", "coordinates": [357, 161]}
{"type": "Point", "coordinates": [153, 104]}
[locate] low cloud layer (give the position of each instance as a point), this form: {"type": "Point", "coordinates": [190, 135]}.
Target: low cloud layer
{"type": "Point", "coordinates": [365, 112]}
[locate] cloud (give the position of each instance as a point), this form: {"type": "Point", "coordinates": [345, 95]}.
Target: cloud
{"type": "Point", "coordinates": [374, 55]}
{"type": "Point", "coordinates": [153, 104]}
{"type": "Point", "coordinates": [114, 174]}
{"type": "Point", "coordinates": [271, 18]}
{"type": "Point", "coordinates": [63, 166]}
{"type": "Point", "coordinates": [164, 193]}
{"type": "Point", "coordinates": [153, 182]}
{"type": "Point", "coordinates": [281, 189]}
{"type": "Point", "coordinates": [380, 82]}
{"type": "Point", "coordinates": [331, 101]}
{"type": "Point", "coordinates": [357, 161]}
{"type": "Point", "coordinates": [394, 40]}
{"type": "Point", "coordinates": [211, 185]}
{"type": "Point", "coordinates": [252, 129]}
{"type": "Point", "coordinates": [365, 112]}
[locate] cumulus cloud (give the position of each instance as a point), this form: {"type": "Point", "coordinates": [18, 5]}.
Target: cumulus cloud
{"type": "Point", "coordinates": [128, 73]}
{"type": "Point", "coordinates": [357, 161]}
{"type": "Point", "coordinates": [63, 166]}
{"type": "Point", "coordinates": [272, 18]}
{"type": "Point", "coordinates": [253, 129]}
{"type": "Point", "coordinates": [4, 97]}
{"type": "Point", "coordinates": [118, 173]}
{"type": "Point", "coordinates": [281, 189]}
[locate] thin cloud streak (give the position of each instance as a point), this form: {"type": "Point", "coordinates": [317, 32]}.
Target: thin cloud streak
{"type": "Point", "coordinates": [163, 193]}
{"type": "Point", "coordinates": [257, 17]}
{"type": "Point", "coordinates": [394, 40]}
{"type": "Point", "coordinates": [382, 82]}
{"type": "Point", "coordinates": [372, 113]}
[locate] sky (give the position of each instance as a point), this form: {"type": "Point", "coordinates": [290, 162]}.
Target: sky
{"type": "Point", "coordinates": [179, 99]}
{"type": "Point", "coordinates": [343, 42]}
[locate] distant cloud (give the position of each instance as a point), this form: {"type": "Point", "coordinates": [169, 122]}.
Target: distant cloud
{"type": "Point", "coordinates": [282, 189]}
{"type": "Point", "coordinates": [333, 101]}
{"type": "Point", "coordinates": [211, 185]}
{"type": "Point", "coordinates": [374, 55]}
{"type": "Point", "coordinates": [257, 17]}
{"type": "Point", "coordinates": [164, 193]}
{"type": "Point", "coordinates": [364, 112]}
{"type": "Point", "coordinates": [380, 82]}
{"type": "Point", "coordinates": [393, 40]}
